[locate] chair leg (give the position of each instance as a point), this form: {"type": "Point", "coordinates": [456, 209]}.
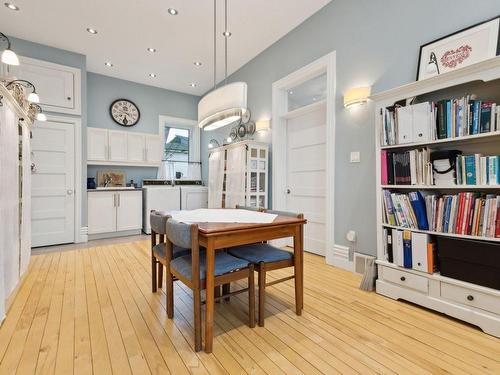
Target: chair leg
{"type": "Point", "coordinates": [153, 274]}
{"type": "Point", "coordinates": [217, 293]}
{"type": "Point", "coordinates": [170, 293]}
{"type": "Point", "coordinates": [226, 289]}
{"type": "Point", "coordinates": [197, 319]}
{"type": "Point", "coordinates": [251, 296]}
{"type": "Point", "coordinates": [160, 275]}
{"type": "Point", "coordinates": [262, 292]}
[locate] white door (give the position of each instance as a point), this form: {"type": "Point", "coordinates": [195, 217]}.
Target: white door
{"type": "Point", "coordinates": [97, 144]}
{"type": "Point", "coordinates": [102, 212]}
{"type": "Point", "coordinates": [135, 147]}
{"type": "Point", "coordinates": [53, 184]}
{"type": "Point", "coordinates": [129, 210]}
{"type": "Point", "coordinates": [154, 150]}
{"type": "Point", "coordinates": [117, 143]}
{"type": "Point", "coordinates": [306, 174]}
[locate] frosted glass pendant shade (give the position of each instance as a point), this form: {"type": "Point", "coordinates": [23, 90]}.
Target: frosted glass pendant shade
{"type": "Point", "coordinates": [9, 57]}
{"type": "Point", "coordinates": [223, 106]}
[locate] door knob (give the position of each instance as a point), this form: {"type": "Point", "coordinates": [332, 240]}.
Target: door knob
{"type": "Point", "coordinates": [69, 191]}
{"type": "Point", "coordinates": [288, 191]}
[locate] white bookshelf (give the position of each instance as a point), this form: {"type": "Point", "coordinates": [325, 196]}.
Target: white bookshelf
{"type": "Point", "coordinates": [472, 303]}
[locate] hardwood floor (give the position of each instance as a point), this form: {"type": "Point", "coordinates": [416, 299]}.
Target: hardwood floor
{"type": "Point", "coordinates": [91, 311]}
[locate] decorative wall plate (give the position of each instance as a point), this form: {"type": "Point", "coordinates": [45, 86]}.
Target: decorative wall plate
{"type": "Point", "coordinates": [242, 131]}
{"type": "Point", "coordinates": [250, 127]}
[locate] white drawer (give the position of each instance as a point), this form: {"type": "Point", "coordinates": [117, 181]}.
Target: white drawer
{"type": "Point", "coordinates": [406, 279]}
{"type": "Point", "coordinates": [470, 297]}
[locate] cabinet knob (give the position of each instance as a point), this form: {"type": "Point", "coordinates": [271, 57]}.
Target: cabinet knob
{"type": "Point", "coordinates": [403, 278]}
{"type": "Point", "coordinates": [68, 98]}
{"type": "Point", "coordinates": [470, 298]}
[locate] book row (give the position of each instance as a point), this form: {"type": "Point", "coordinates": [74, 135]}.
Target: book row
{"type": "Point", "coordinates": [406, 168]}
{"type": "Point", "coordinates": [466, 213]}
{"type": "Point", "coordinates": [477, 170]}
{"type": "Point", "coordinates": [448, 118]}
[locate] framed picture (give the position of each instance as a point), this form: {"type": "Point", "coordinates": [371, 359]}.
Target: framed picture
{"type": "Point", "coordinates": [462, 48]}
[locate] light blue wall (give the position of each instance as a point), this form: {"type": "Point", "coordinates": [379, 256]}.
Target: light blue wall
{"type": "Point", "coordinates": [377, 43]}
{"type": "Point", "coordinates": [152, 102]}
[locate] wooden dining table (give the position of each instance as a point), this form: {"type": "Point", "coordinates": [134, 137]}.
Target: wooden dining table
{"type": "Point", "coordinates": [215, 236]}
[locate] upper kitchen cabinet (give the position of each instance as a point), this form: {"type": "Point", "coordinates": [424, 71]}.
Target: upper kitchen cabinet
{"type": "Point", "coordinates": [154, 150]}
{"type": "Point", "coordinates": [58, 86]}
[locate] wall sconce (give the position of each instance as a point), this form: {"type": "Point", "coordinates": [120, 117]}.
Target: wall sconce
{"type": "Point", "coordinates": [213, 144]}
{"type": "Point", "coordinates": [262, 125]}
{"type": "Point", "coordinates": [33, 96]}
{"type": "Point", "coordinates": [356, 96]}
{"type": "Point", "coordinates": [9, 57]}
{"type": "Point", "coordinates": [40, 115]}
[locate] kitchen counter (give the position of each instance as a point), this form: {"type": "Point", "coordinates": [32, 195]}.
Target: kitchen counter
{"type": "Point", "coordinates": [113, 189]}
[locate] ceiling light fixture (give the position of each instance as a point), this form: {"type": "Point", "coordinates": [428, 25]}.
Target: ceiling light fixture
{"type": "Point", "coordinates": [11, 6]}
{"type": "Point", "coordinates": [152, 75]}
{"type": "Point", "coordinates": [152, 50]}
{"type": "Point", "coordinates": [9, 57]}
{"type": "Point", "coordinates": [172, 11]}
{"type": "Point", "coordinates": [197, 63]}
{"type": "Point", "coordinates": [91, 30]}
{"type": "Point", "coordinates": [33, 96]}
{"type": "Point", "coordinates": [227, 104]}
{"type": "Point", "coordinates": [108, 63]}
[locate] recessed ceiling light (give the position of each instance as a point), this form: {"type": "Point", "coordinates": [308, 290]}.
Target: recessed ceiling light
{"type": "Point", "coordinates": [172, 11]}
{"type": "Point", "coordinates": [152, 75]}
{"type": "Point", "coordinates": [192, 84]}
{"type": "Point", "coordinates": [197, 63]}
{"type": "Point", "coordinates": [227, 34]}
{"type": "Point", "coordinates": [11, 6]}
{"type": "Point", "coordinates": [91, 30]}
{"type": "Point", "coordinates": [108, 63]}
{"type": "Point", "coordinates": [151, 49]}
{"type": "Point", "coordinates": [290, 92]}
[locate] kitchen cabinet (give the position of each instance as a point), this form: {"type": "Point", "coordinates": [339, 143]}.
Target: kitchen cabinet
{"type": "Point", "coordinates": [112, 213]}
{"type": "Point", "coordinates": [97, 144]}
{"type": "Point", "coordinates": [123, 148]}
{"type": "Point", "coordinates": [58, 86]}
{"type": "Point", "coordinates": [117, 143]}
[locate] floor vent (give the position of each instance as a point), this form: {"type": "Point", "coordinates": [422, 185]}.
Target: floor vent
{"type": "Point", "coordinates": [340, 257]}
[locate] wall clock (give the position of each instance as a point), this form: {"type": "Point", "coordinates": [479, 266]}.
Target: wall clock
{"type": "Point", "coordinates": [124, 112]}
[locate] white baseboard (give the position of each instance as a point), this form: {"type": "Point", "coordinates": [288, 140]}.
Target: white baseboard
{"type": "Point", "coordinates": [339, 257]}
{"type": "Point", "coordinates": [83, 236]}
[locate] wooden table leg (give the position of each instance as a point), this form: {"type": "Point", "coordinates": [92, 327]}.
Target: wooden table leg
{"type": "Point", "coordinates": [298, 240]}
{"type": "Point", "coordinates": [209, 305]}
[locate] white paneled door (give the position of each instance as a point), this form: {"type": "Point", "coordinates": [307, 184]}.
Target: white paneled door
{"type": "Point", "coordinates": [53, 183]}
{"type": "Point", "coordinates": [306, 174]}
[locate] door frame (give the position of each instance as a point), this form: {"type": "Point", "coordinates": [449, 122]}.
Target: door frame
{"type": "Point", "coordinates": [325, 64]}
{"type": "Point", "coordinates": [80, 235]}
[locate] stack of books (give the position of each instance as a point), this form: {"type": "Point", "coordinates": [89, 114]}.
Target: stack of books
{"type": "Point", "coordinates": [448, 118]}
{"type": "Point", "coordinates": [465, 213]}
{"type": "Point", "coordinates": [477, 170]}
{"type": "Point", "coordinates": [406, 168]}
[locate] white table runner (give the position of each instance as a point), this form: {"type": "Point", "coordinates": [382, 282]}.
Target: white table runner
{"type": "Point", "coordinates": [216, 215]}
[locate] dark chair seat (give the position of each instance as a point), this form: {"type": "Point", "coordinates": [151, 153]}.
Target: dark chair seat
{"type": "Point", "coordinates": [260, 252]}
{"type": "Point", "coordinates": [160, 251]}
{"type": "Point", "coordinates": [224, 263]}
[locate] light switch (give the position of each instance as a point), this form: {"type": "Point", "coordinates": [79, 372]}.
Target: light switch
{"type": "Point", "coordinates": [355, 157]}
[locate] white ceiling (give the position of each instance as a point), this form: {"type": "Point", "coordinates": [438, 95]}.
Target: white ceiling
{"type": "Point", "coordinates": [126, 28]}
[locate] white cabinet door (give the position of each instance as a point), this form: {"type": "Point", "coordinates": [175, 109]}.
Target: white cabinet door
{"type": "Point", "coordinates": [136, 147]}
{"type": "Point", "coordinates": [102, 212]}
{"type": "Point", "coordinates": [57, 85]}
{"type": "Point", "coordinates": [129, 210]}
{"type": "Point", "coordinates": [117, 143]}
{"type": "Point", "coordinates": [193, 199]}
{"type": "Point", "coordinates": [154, 149]}
{"type": "Point", "coordinates": [97, 144]}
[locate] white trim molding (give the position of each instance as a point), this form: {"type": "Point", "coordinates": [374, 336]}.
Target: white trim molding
{"type": "Point", "coordinates": [340, 258]}
{"type": "Point", "coordinates": [325, 64]}
{"type": "Point", "coordinates": [191, 125]}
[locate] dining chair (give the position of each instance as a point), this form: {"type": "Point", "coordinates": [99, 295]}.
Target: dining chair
{"type": "Point", "coordinates": [267, 258]}
{"type": "Point", "coordinates": [158, 221]}
{"type": "Point", "coordinates": [190, 269]}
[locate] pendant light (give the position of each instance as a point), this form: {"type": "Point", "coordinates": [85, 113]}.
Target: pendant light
{"type": "Point", "coordinates": [9, 57]}
{"type": "Point", "coordinates": [227, 104]}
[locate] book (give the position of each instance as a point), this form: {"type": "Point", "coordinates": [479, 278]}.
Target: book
{"type": "Point", "coordinates": [418, 205]}
{"type": "Point", "coordinates": [470, 170]}
{"type": "Point", "coordinates": [432, 258]}
{"type": "Point", "coordinates": [485, 123]}
{"type": "Point", "coordinates": [384, 167]}
{"type": "Point", "coordinates": [407, 258]}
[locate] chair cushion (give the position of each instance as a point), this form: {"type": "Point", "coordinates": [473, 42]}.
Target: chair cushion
{"type": "Point", "coordinates": [260, 252]}
{"type": "Point", "coordinates": [224, 263]}
{"type": "Point", "coordinates": [160, 251]}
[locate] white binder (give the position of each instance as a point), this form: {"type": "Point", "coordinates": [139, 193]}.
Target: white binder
{"type": "Point", "coordinates": [419, 242]}
{"type": "Point", "coordinates": [421, 122]}
{"type": "Point", "coordinates": [397, 247]}
{"type": "Point", "coordinates": [405, 124]}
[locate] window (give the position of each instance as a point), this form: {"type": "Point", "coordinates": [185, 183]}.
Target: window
{"type": "Point", "coordinates": [176, 144]}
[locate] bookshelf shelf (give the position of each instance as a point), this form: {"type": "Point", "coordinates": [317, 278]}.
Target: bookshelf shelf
{"type": "Point", "coordinates": [467, 301]}
{"type": "Point", "coordinates": [441, 187]}
{"type": "Point", "coordinates": [447, 142]}
{"type": "Point", "coordinates": [443, 234]}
